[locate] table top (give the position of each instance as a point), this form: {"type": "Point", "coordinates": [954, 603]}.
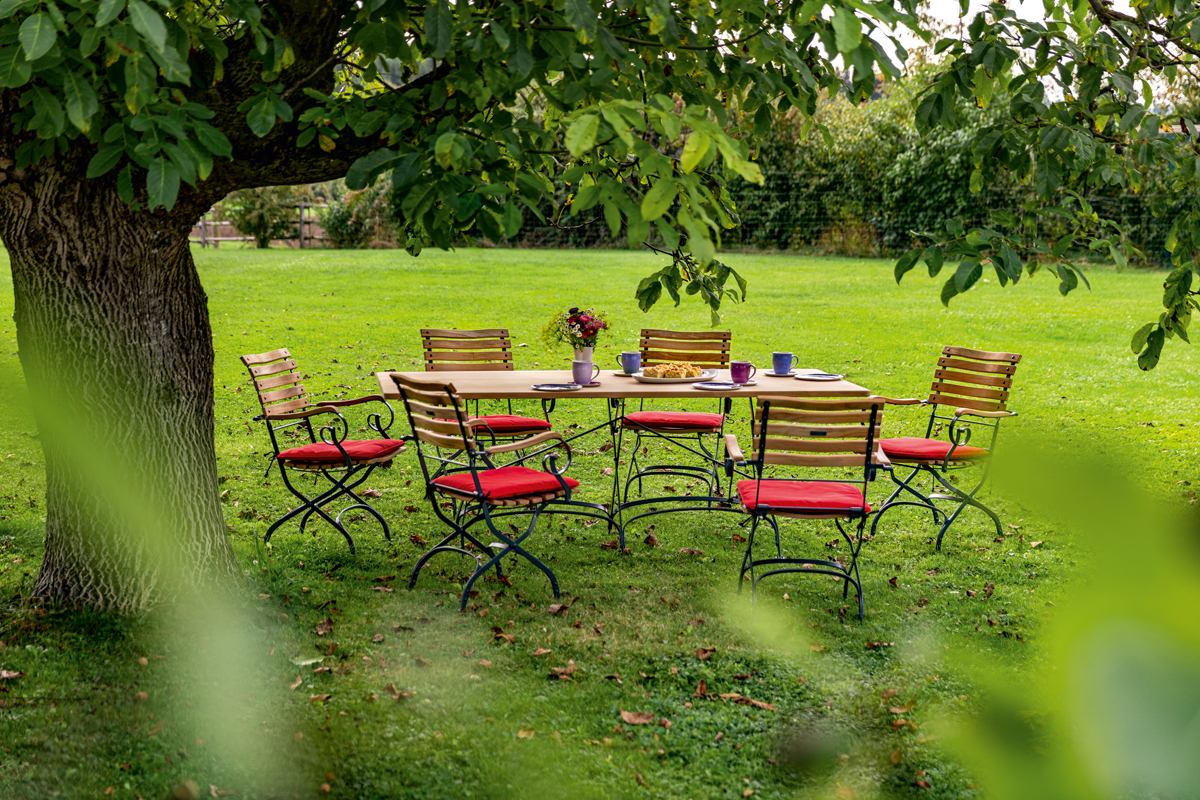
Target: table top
{"type": "Point", "coordinates": [518, 384]}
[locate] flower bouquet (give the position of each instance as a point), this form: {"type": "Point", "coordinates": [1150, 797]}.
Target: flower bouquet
{"type": "Point", "coordinates": [577, 327]}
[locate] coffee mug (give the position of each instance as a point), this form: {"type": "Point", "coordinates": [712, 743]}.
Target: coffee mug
{"type": "Point", "coordinates": [783, 362]}
{"type": "Point", "coordinates": [630, 361]}
{"type": "Point", "coordinates": [742, 371]}
{"type": "Point", "coordinates": [584, 372]}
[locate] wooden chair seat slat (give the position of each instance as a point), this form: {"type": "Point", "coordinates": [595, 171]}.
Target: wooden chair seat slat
{"type": "Point", "coordinates": [466, 367]}
{"type": "Point", "coordinates": [653, 357]}
{"type": "Point", "coordinates": [440, 440]}
{"type": "Point", "coordinates": [977, 366]}
{"type": "Point", "coordinates": [820, 404]}
{"type": "Point", "coordinates": [817, 417]}
{"type": "Point", "coordinates": [829, 432]}
{"type": "Point", "coordinates": [285, 408]}
{"type": "Point", "coordinates": [281, 394]}
{"type": "Point", "coordinates": [657, 333]}
{"type": "Point", "coordinates": [276, 380]}
{"type": "Point", "coordinates": [797, 445]}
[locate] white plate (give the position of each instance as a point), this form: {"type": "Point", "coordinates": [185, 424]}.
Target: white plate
{"type": "Point", "coordinates": [779, 374]}
{"type": "Point", "coordinates": [555, 387]}
{"type": "Point", "coordinates": [718, 386]}
{"type": "Point", "coordinates": [620, 373]}
{"type": "Point", "coordinates": [705, 375]}
{"type": "Point", "coordinates": [819, 376]}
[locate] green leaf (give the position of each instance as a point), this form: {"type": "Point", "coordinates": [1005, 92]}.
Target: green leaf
{"type": "Point", "coordinates": [439, 28]}
{"type": "Point", "coordinates": [15, 70]}
{"type": "Point", "coordinates": [1117, 252]}
{"type": "Point", "coordinates": [949, 290]}
{"type": "Point", "coordinates": [658, 199]}
{"type": "Point", "coordinates": [37, 36]}
{"type": "Point", "coordinates": [364, 170]}
{"type": "Point", "coordinates": [637, 231]}
{"type": "Point", "coordinates": [934, 258]}
{"type": "Point", "coordinates": [148, 23]}
{"type": "Point", "coordinates": [81, 101]}
{"type": "Point", "coordinates": [212, 139]}
{"type": "Point", "coordinates": [847, 30]}
{"type": "Point", "coordinates": [9, 7]}
{"type": "Point", "coordinates": [582, 134]}
{"type": "Point", "coordinates": [582, 18]}
{"type": "Point", "coordinates": [1139, 338]}
{"type": "Point", "coordinates": [695, 149]}
{"type": "Point", "coordinates": [1067, 279]}
{"type": "Point", "coordinates": [162, 183]}
{"type": "Point", "coordinates": [261, 117]}
{"type": "Point", "coordinates": [976, 185]}
{"type": "Point", "coordinates": [1012, 263]}
{"type": "Point", "coordinates": [510, 218]}
{"type": "Point", "coordinates": [1154, 344]}
{"type": "Point", "coordinates": [106, 159]}
{"type": "Point", "coordinates": [109, 9]}
{"type": "Point", "coordinates": [906, 262]}
{"type": "Point", "coordinates": [125, 184]}
{"type": "Point", "coordinates": [967, 274]}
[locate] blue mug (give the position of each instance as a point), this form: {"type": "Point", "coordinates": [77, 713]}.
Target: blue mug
{"type": "Point", "coordinates": [782, 363]}
{"type": "Point", "coordinates": [630, 361]}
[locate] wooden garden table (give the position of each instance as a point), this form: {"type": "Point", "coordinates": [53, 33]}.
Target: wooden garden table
{"type": "Point", "coordinates": [518, 385]}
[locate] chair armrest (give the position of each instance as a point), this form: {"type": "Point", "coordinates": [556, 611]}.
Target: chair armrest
{"type": "Point", "coordinates": [958, 412]}
{"type": "Point", "coordinates": [905, 401]}
{"type": "Point", "coordinates": [308, 412]}
{"type": "Point", "coordinates": [733, 448]}
{"type": "Point", "coordinates": [355, 401]}
{"type": "Point", "coordinates": [881, 458]}
{"type": "Point", "coordinates": [532, 441]}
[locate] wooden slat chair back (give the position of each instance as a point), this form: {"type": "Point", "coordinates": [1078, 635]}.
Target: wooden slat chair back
{"type": "Point", "coordinates": [277, 383]}
{"type": "Point", "coordinates": [705, 349]}
{"type": "Point", "coordinates": [436, 414]}
{"type": "Point", "coordinates": [973, 379]}
{"type": "Point", "coordinates": [816, 432]}
{"type": "Point", "coordinates": [448, 350]}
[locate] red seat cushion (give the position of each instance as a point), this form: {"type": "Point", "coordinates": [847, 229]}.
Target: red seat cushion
{"type": "Point", "coordinates": [505, 482]}
{"type": "Point", "coordinates": [674, 420]}
{"type": "Point", "coordinates": [507, 423]}
{"type": "Point", "coordinates": [913, 449]}
{"type": "Point", "coordinates": [321, 453]}
{"type": "Point", "coordinates": [783, 494]}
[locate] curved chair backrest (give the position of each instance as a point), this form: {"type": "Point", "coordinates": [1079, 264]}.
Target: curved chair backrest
{"type": "Point", "coordinates": [826, 432]}
{"type": "Point", "coordinates": [701, 348]}
{"type": "Point", "coordinates": [277, 383]}
{"type": "Point", "coordinates": [435, 413]}
{"type": "Point", "coordinates": [973, 379]}
{"type": "Point", "coordinates": [452, 350]}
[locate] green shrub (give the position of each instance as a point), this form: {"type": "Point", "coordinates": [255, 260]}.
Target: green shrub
{"type": "Point", "coordinates": [266, 213]}
{"type": "Point", "coordinates": [359, 219]}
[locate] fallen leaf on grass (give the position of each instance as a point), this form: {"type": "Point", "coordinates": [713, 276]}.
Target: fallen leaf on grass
{"type": "Point", "coordinates": [385, 578]}
{"type": "Point", "coordinates": [384, 589]}
{"type": "Point", "coordinates": [541, 651]}
{"type": "Point", "coordinates": [897, 756]}
{"type": "Point", "coordinates": [324, 626]}
{"type": "Point", "coordinates": [637, 776]}
{"type": "Point", "coordinates": [420, 662]}
{"type": "Point", "coordinates": [319, 670]}
{"type": "Point", "coordinates": [738, 538]}
{"type": "Point", "coordinates": [398, 627]}
{"type": "Point", "coordinates": [746, 701]}
{"type": "Point", "coordinates": [1034, 544]}
{"type": "Point", "coordinates": [696, 622]}
{"type": "Point", "coordinates": [296, 682]}
{"type": "Point", "coordinates": [817, 648]}
{"type": "Point", "coordinates": [987, 590]}
{"type": "Point", "coordinates": [900, 723]}
{"type": "Point", "coordinates": [615, 544]}
{"type": "Point", "coordinates": [874, 645]}
{"type": "Point", "coordinates": [970, 592]}
{"type": "Point", "coordinates": [6, 674]}
{"type": "Point", "coordinates": [616, 676]}
{"type": "Point", "coordinates": [901, 709]}
{"type": "Point", "coordinates": [214, 791]}
{"type": "Point", "coordinates": [372, 493]}
{"type": "Point", "coordinates": [844, 793]}
{"type": "Point", "coordinates": [564, 673]}
{"type": "Point", "coordinates": [689, 551]}
{"type": "Point", "coordinates": [300, 661]}
{"type": "Point", "coordinates": [922, 784]}
{"type": "Point", "coordinates": [651, 540]}
{"type": "Point", "coordinates": [701, 690]}
{"type": "Point", "coordinates": [705, 653]}
{"type": "Point", "coordinates": [377, 637]}
{"type": "Point", "coordinates": [157, 728]}
{"type": "Point", "coordinates": [318, 698]}
{"type": "Point", "coordinates": [140, 696]}
{"type": "Point", "coordinates": [558, 608]}
{"type": "Point", "coordinates": [637, 717]}
{"type": "Point", "coordinates": [525, 733]}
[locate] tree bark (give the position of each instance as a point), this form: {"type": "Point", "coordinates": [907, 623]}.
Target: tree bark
{"type": "Point", "coordinates": [114, 337]}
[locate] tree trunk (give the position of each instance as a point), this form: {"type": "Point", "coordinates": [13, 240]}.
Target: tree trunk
{"type": "Point", "coordinates": [114, 337]}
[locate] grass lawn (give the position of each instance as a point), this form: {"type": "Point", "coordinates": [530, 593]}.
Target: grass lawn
{"type": "Point", "coordinates": [479, 717]}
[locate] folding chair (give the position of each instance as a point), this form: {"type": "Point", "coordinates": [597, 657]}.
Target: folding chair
{"type": "Point", "coordinates": [344, 462]}
{"type": "Point", "coordinates": [824, 433]}
{"type": "Point", "coordinates": [975, 384]}
{"type": "Point", "coordinates": [473, 488]}
{"type": "Point", "coordinates": [487, 349]}
{"type": "Point", "coordinates": [687, 430]}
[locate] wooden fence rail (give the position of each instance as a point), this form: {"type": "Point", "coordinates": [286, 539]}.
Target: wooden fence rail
{"type": "Point", "coordinates": [210, 232]}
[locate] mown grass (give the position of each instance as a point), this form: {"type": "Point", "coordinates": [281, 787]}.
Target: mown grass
{"type": "Point", "coordinates": [484, 718]}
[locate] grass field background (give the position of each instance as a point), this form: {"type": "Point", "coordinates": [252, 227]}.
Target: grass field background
{"type": "Point", "coordinates": [485, 719]}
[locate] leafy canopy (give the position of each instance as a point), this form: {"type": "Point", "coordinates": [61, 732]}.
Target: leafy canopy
{"type": "Point", "coordinates": [643, 108]}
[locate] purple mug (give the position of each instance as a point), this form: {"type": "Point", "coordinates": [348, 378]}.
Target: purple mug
{"type": "Point", "coordinates": [584, 372]}
{"type": "Point", "coordinates": [742, 371]}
